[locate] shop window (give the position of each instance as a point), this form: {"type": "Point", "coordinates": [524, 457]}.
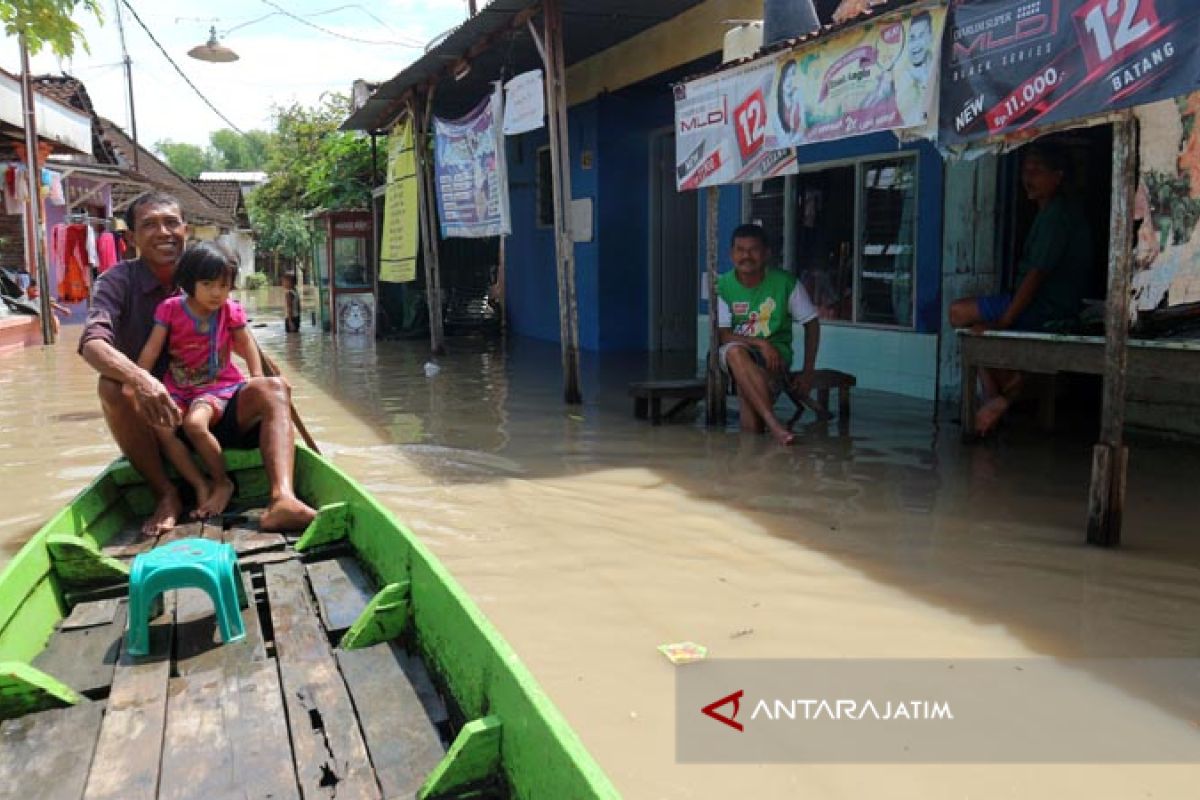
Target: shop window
{"type": "Point", "coordinates": [855, 240]}
{"type": "Point", "coordinates": [545, 189]}
{"type": "Point", "coordinates": [766, 203]}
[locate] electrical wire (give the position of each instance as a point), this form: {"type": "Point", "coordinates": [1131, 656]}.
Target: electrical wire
{"type": "Point", "coordinates": [183, 75]}
{"type": "Point", "coordinates": [410, 43]}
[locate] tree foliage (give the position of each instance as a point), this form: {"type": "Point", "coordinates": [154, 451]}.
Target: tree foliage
{"type": "Point", "coordinates": [47, 23]}
{"type": "Point", "coordinates": [189, 160]}
{"type": "Point", "coordinates": [285, 233]}
{"type": "Point", "coordinates": [227, 150]}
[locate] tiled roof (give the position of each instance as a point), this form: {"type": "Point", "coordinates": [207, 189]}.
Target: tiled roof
{"type": "Point", "coordinates": [226, 194]}
{"type": "Point", "coordinates": [197, 207]}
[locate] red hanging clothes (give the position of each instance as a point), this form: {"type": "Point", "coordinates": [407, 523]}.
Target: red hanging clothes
{"type": "Point", "coordinates": [106, 248]}
{"type": "Point", "coordinates": [73, 288]}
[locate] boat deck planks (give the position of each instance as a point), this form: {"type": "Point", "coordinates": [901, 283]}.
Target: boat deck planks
{"type": "Point", "coordinates": [331, 756]}
{"type": "Point", "coordinates": [130, 743]}
{"type": "Point", "coordinates": [227, 736]}
{"type": "Point", "coordinates": [342, 591]}
{"type": "Point", "coordinates": [50, 752]}
{"type": "Point", "coordinates": [86, 615]}
{"type": "Point", "coordinates": [403, 741]}
{"type": "Point", "coordinates": [198, 644]}
{"type": "Point", "coordinates": [84, 658]}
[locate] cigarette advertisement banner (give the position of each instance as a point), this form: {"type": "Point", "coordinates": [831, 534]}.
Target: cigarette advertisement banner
{"type": "Point", "coordinates": [877, 76]}
{"type": "Point", "coordinates": [1015, 64]}
{"type": "Point", "coordinates": [721, 128]}
{"type": "Point", "coordinates": [398, 250]}
{"type": "Point", "coordinates": [472, 182]}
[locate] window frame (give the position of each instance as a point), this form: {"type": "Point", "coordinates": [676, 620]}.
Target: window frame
{"type": "Point", "coordinates": [860, 164]}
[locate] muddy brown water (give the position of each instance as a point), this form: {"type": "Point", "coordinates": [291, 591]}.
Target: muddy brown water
{"type": "Point", "coordinates": [589, 538]}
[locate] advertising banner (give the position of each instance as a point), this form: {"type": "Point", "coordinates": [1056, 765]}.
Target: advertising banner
{"type": "Point", "coordinates": [524, 103]}
{"type": "Point", "coordinates": [721, 130]}
{"type": "Point", "coordinates": [877, 76]}
{"type": "Point", "coordinates": [1015, 64]}
{"type": "Point", "coordinates": [472, 182]}
{"type": "Point", "coordinates": [398, 250]}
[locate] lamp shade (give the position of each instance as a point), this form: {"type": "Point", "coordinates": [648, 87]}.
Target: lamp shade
{"type": "Point", "coordinates": [212, 50]}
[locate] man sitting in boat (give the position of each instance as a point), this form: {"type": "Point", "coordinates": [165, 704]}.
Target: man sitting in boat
{"type": "Point", "coordinates": [135, 401]}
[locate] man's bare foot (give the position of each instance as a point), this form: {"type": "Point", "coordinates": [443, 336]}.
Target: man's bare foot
{"type": "Point", "coordinates": [287, 513]}
{"type": "Point", "coordinates": [165, 515]}
{"type": "Point", "coordinates": [989, 416]}
{"type": "Point", "coordinates": [784, 436]}
{"type": "Point", "coordinates": [217, 500]}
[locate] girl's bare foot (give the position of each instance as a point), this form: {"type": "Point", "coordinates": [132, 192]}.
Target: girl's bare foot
{"type": "Point", "coordinates": [203, 493]}
{"type": "Point", "coordinates": [217, 500]}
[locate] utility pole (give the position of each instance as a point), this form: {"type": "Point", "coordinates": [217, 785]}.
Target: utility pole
{"type": "Point", "coordinates": [128, 83]}
{"type": "Point", "coordinates": [33, 216]}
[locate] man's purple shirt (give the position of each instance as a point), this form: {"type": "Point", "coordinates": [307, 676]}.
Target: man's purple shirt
{"type": "Point", "coordinates": [122, 313]}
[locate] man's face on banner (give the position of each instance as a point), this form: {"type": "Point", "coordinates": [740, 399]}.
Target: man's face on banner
{"type": "Point", "coordinates": [920, 39]}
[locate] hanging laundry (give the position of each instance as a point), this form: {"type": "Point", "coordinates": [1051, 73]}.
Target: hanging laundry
{"type": "Point", "coordinates": [106, 247]}
{"type": "Point", "coordinates": [73, 288]}
{"type": "Point", "coordinates": [93, 256]}
{"type": "Point", "coordinates": [14, 189]}
{"type": "Point", "coordinates": [57, 251]}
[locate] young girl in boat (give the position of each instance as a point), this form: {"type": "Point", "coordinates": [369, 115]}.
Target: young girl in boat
{"type": "Point", "coordinates": [199, 328]}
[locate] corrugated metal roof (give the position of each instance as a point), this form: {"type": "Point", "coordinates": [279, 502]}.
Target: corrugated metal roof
{"type": "Point", "coordinates": [589, 27]}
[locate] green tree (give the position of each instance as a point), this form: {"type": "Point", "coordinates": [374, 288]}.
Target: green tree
{"type": "Point", "coordinates": [189, 160]}
{"type": "Point", "coordinates": [47, 22]}
{"type": "Point", "coordinates": [235, 151]}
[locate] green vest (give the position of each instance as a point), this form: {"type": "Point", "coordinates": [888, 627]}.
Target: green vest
{"type": "Point", "coordinates": [761, 311]}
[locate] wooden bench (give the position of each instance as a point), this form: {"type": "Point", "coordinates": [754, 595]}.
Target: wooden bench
{"type": "Point", "coordinates": [648, 395]}
{"type": "Point", "coordinates": [1047, 354]}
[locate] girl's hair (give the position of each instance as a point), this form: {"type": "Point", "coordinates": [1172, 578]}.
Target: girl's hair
{"type": "Point", "coordinates": [206, 261]}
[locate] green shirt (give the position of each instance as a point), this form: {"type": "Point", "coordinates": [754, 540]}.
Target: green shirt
{"type": "Point", "coordinates": [761, 311]}
{"type": "Point", "coordinates": [1060, 243]}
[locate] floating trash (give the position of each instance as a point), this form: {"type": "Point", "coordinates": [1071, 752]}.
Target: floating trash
{"type": "Point", "coordinates": [683, 652]}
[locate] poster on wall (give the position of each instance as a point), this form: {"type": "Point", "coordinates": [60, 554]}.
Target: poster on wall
{"type": "Point", "coordinates": [472, 183]}
{"type": "Point", "coordinates": [720, 130]}
{"type": "Point", "coordinates": [1015, 64]}
{"type": "Point", "coordinates": [876, 76]}
{"type": "Point", "coordinates": [524, 103]}
{"type": "Point", "coordinates": [355, 313]}
{"type": "Point", "coordinates": [398, 248]}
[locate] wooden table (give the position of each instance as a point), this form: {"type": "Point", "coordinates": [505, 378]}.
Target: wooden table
{"type": "Point", "coordinates": [1052, 353]}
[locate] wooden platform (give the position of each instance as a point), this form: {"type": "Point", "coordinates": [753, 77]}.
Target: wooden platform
{"type": "Point", "coordinates": [284, 713]}
{"type": "Point", "coordinates": [1048, 354]}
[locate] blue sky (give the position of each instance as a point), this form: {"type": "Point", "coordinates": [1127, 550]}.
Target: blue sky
{"type": "Point", "coordinates": [282, 60]}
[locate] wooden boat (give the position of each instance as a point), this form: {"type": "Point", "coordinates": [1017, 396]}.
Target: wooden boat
{"type": "Point", "coordinates": [365, 672]}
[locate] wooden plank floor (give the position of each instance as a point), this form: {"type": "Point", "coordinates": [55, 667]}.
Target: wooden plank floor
{"type": "Point", "coordinates": [280, 714]}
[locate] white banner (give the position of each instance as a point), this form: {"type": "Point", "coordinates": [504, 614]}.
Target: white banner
{"type": "Point", "coordinates": [721, 130]}
{"type": "Point", "coordinates": [472, 182]}
{"type": "Point", "coordinates": [524, 103]}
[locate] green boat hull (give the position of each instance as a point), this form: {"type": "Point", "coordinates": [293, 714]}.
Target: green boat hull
{"type": "Point", "coordinates": [539, 756]}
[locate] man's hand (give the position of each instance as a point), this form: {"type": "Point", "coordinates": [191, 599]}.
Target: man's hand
{"type": "Point", "coordinates": [981, 327]}
{"type": "Point", "coordinates": [770, 355]}
{"type": "Point", "coordinates": [154, 402]}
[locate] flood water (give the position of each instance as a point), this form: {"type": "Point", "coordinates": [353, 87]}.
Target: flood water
{"type": "Point", "coordinates": [589, 538]}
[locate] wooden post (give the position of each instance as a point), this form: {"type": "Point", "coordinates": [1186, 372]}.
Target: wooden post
{"type": "Point", "coordinates": [714, 403]}
{"type": "Point", "coordinates": [427, 216]}
{"type": "Point", "coordinates": [1106, 499]}
{"type": "Point", "coordinates": [35, 253]}
{"type": "Point", "coordinates": [560, 167]}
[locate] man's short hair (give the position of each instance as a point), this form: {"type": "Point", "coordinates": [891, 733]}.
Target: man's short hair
{"type": "Point", "coordinates": [750, 230]}
{"type": "Point", "coordinates": [1054, 156]}
{"type": "Point", "coordinates": [149, 199]}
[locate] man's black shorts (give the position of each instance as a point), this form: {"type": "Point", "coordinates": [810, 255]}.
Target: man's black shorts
{"type": "Point", "coordinates": [226, 430]}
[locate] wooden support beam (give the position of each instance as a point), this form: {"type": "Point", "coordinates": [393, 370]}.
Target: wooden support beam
{"type": "Point", "coordinates": [560, 168]}
{"type": "Point", "coordinates": [382, 620]}
{"type": "Point", "coordinates": [331, 524]}
{"type": "Point", "coordinates": [427, 217]}
{"type": "Point", "coordinates": [1106, 499]}
{"type": "Point", "coordinates": [714, 404]}
{"type": "Point", "coordinates": [473, 760]}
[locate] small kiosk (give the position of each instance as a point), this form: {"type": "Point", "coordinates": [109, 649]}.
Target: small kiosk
{"type": "Point", "coordinates": [343, 262]}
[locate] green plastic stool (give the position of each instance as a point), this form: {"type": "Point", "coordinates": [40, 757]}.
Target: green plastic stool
{"type": "Point", "coordinates": [185, 564]}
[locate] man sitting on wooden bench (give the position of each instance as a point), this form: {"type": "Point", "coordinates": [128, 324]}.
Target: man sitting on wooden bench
{"type": "Point", "coordinates": [756, 307]}
{"type": "Point", "coordinates": [1052, 277]}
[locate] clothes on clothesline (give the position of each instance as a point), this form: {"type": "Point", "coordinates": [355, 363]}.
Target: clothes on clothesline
{"type": "Point", "coordinates": [106, 248]}
{"type": "Point", "coordinates": [69, 256]}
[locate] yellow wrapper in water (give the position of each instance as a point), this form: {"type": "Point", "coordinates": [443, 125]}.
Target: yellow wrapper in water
{"type": "Point", "coordinates": [683, 652]}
